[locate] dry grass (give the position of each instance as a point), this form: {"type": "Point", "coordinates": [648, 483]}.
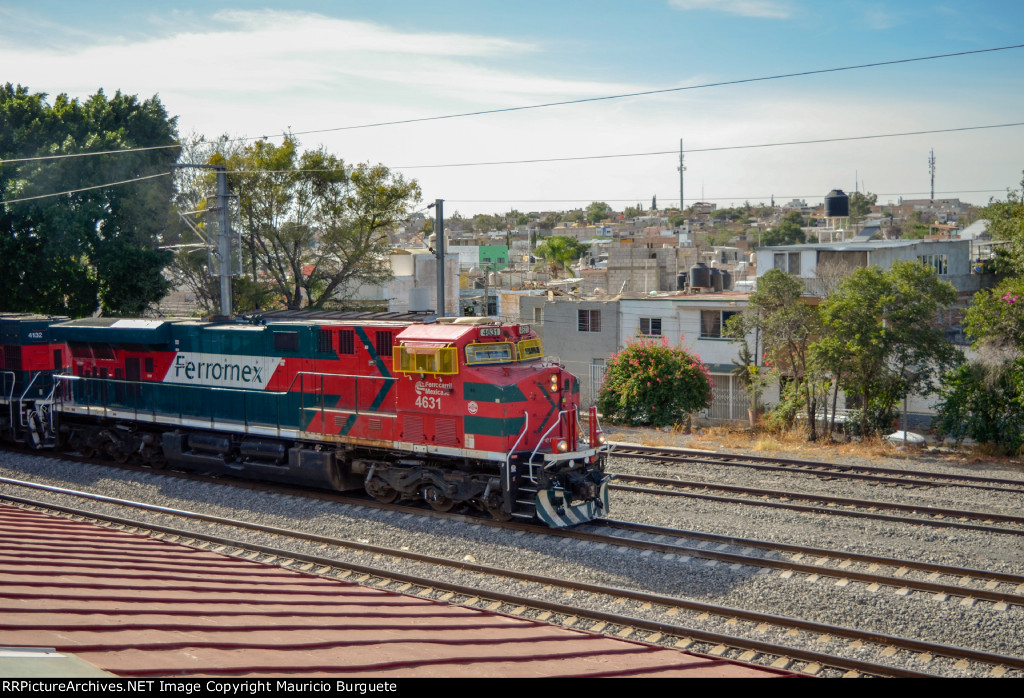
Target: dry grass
{"type": "Point", "coordinates": [795, 444]}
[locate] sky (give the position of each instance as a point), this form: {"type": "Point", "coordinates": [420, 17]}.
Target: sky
{"type": "Point", "coordinates": [333, 71]}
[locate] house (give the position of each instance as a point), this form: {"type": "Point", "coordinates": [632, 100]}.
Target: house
{"type": "Point", "coordinates": [820, 266]}
{"type": "Point", "coordinates": [583, 332]}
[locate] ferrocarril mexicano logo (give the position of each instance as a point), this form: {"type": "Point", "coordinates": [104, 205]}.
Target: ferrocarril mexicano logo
{"type": "Point", "coordinates": [222, 370]}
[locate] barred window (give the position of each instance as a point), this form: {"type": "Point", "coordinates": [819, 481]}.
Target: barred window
{"type": "Point", "coordinates": [589, 320]}
{"type": "Point", "coordinates": [650, 326]}
{"type": "Point", "coordinates": [324, 344]}
{"type": "Point", "coordinates": [346, 342]}
{"type": "Point", "coordinates": [385, 341]}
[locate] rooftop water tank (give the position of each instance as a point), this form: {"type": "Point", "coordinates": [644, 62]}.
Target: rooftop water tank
{"type": "Point", "coordinates": [700, 276]}
{"type": "Point", "coordinates": [837, 204]}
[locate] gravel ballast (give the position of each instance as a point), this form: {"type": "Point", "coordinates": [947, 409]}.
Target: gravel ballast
{"type": "Point", "coordinates": [980, 625]}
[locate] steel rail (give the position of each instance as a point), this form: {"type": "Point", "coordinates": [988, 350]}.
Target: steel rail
{"type": "Point", "coordinates": [914, 645]}
{"type": "Point", "coordinates": [839, 470]}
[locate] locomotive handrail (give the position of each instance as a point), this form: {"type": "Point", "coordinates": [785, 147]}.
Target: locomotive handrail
{"type": "Point", "coordinates": [153, 412]}
{"type": "Point", "coordinates": [10, 396]}
{"type": "Point", "coordinates": [21, 416]}
{"type": "Point", "coordinates": [557, 422]}
{"type": "Point", "coordinates": [508, 457]}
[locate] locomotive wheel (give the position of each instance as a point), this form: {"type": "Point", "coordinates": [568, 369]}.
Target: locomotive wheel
{"type": "Point", "coordinates": [381, 492]}
{"type": "Point", "coordinates": [437, 500]}
{"type": "Point", "coordinates": [153, 457]}
{"type": "Point", "coordinates": [493, 507]}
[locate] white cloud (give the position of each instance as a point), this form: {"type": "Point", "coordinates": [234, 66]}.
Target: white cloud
{"type": "Point", "coordinates": [773, 9]}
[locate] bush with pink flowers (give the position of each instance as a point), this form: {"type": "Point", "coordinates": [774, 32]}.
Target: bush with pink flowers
{"type": "Point", "coordinates": [652, 383]}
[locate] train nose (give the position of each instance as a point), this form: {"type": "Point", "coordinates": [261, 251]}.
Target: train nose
{"type": "Point", "coordinates": [582, 487]}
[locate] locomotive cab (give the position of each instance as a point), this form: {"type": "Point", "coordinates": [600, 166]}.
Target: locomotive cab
{"type": "Point", "coordinates": [485, 389]}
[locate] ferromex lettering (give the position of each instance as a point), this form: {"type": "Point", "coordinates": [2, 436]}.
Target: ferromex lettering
{"type": "Point", "coordinates": [222, 370]}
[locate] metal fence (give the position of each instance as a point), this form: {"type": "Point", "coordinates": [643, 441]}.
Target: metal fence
{"type": "Point", "coordinates": [729, 401]}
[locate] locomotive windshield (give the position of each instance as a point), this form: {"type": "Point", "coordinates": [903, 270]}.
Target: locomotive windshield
{"type": "Point", "coordinates": [490, 353]}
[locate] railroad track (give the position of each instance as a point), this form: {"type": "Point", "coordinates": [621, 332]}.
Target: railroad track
{"type": "Point", "coordinates": [877, 474]}
{"type": "Point", "coordinates": [661, 618]}
{"type": "Point", "coordinates": [944, 517]}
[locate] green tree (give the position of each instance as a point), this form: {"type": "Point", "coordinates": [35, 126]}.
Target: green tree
{"type": "Point", "coordinates": [98, 247]}
{"type": "Point", "coordinates": [598, 211]}
{"type": "Point", "coordinates": [884, 344]}
{"type": "Point", "coordinates": [560, 251]}
{"type": "Point", "coordinates": [1006, 222]}
{"type": "Point", "coordinates": [652, 383]}
{"type": "Point", "coordinates": [861, 203]}
{"type": "Point", "coordinates": [984, 399]}
{"type": "Point", "coordinates": [786, 327]}
{"type": "Point", "coordinates": [485, 223]}
{"type": "Point", "coordinates": [313, 227]}
{"type": "Point", "coordinates": [788, 232]}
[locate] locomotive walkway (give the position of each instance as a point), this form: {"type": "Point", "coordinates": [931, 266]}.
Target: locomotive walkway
{"type": "Point", "coordinates": [140, 607]}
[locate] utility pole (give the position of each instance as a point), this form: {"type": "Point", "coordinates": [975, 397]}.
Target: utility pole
{"type": "Point", "coordinates": [224, 241]}
{"type": "Point", "coordinates": [681, 168]}
{"type": "Point", "coordinates": [439, 247]}
{"type": "Point", "coordinates": [223, 235]}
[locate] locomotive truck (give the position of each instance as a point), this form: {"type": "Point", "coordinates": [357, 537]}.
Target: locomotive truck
{"type": "Point", "coordinates": [406, 406]}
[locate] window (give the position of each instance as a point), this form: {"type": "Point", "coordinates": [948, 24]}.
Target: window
{"type": "Point", "coordinates": [650, 326]}
{"type": "Point", "coordinates": [286, 341]}
{"type": "Point", "coordinates": [589, 320]}
{"type": "Point", "coordinates": [787, 262]}
{"type": "Point", "coordinates": [489, 353]}
{"type": "Point", "coordinates": [938, 262]}
{"type": "Point", "coordinates": [712, 323]}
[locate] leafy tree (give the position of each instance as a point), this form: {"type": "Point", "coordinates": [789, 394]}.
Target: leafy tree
{"type": "Point", "coordinates": [98, 247]}
{"type": "Point", "coordinates": [1006, 222]}
{"type": "Point", "coordinates": [861, 203]}
{"type": "Point", "coordinates": [996, 317]}
{"type": "Point", "coordinates": [313, 227]}
{"type": "Point", "coordinates": [788, 232]}
{"type": "Point", "coordinates": [652, 383]}
{"type": "Point", "coordinates": [598, 211]}
{"type": "Point", "coordinates": [883, 343]}
{"type": "Point", "coordinates": [984, 401]}
{"type": "Point", "coordinates": [560, 251]}
{"type": "Point", "coordinates": [786, 328]}
{"type": "Point", "coordinates": [634, 211]}
{"type": "Point", "coordinates": [485, 223]}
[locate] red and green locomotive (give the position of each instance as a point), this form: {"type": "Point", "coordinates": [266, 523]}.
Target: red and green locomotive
{"type": "Point", "coordinates": [449, 411]}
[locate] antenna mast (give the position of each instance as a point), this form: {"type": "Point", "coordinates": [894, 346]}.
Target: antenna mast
{"type": "Point", "coordinates": [931, 170]}
{"type": "Point", "coordinates": [681, 168]}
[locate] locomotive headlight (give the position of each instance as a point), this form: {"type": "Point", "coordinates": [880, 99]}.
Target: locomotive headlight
{"type": "Point", "coordinates": [561, 445]}
{"type": "Point", "coordinates": [600, 438]}
{"type": "Point", "coordinates": [554, 382]}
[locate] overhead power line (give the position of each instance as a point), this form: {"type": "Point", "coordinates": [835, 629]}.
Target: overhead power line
{"type": "Point", "coordinates": [647, 93]}
{"type": "Point", "coordinates": [815, 141]}
{"type": "Point", "coordinates": [75, 191]}
{"type": "Point", "coordinates": [635, 199]}
{"type": "Point", "coordinates": [583, 100]}
{"type": "Point", "coordinates": [8, 161]}
{"type": "Point", "coordinates": [708, 150]}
